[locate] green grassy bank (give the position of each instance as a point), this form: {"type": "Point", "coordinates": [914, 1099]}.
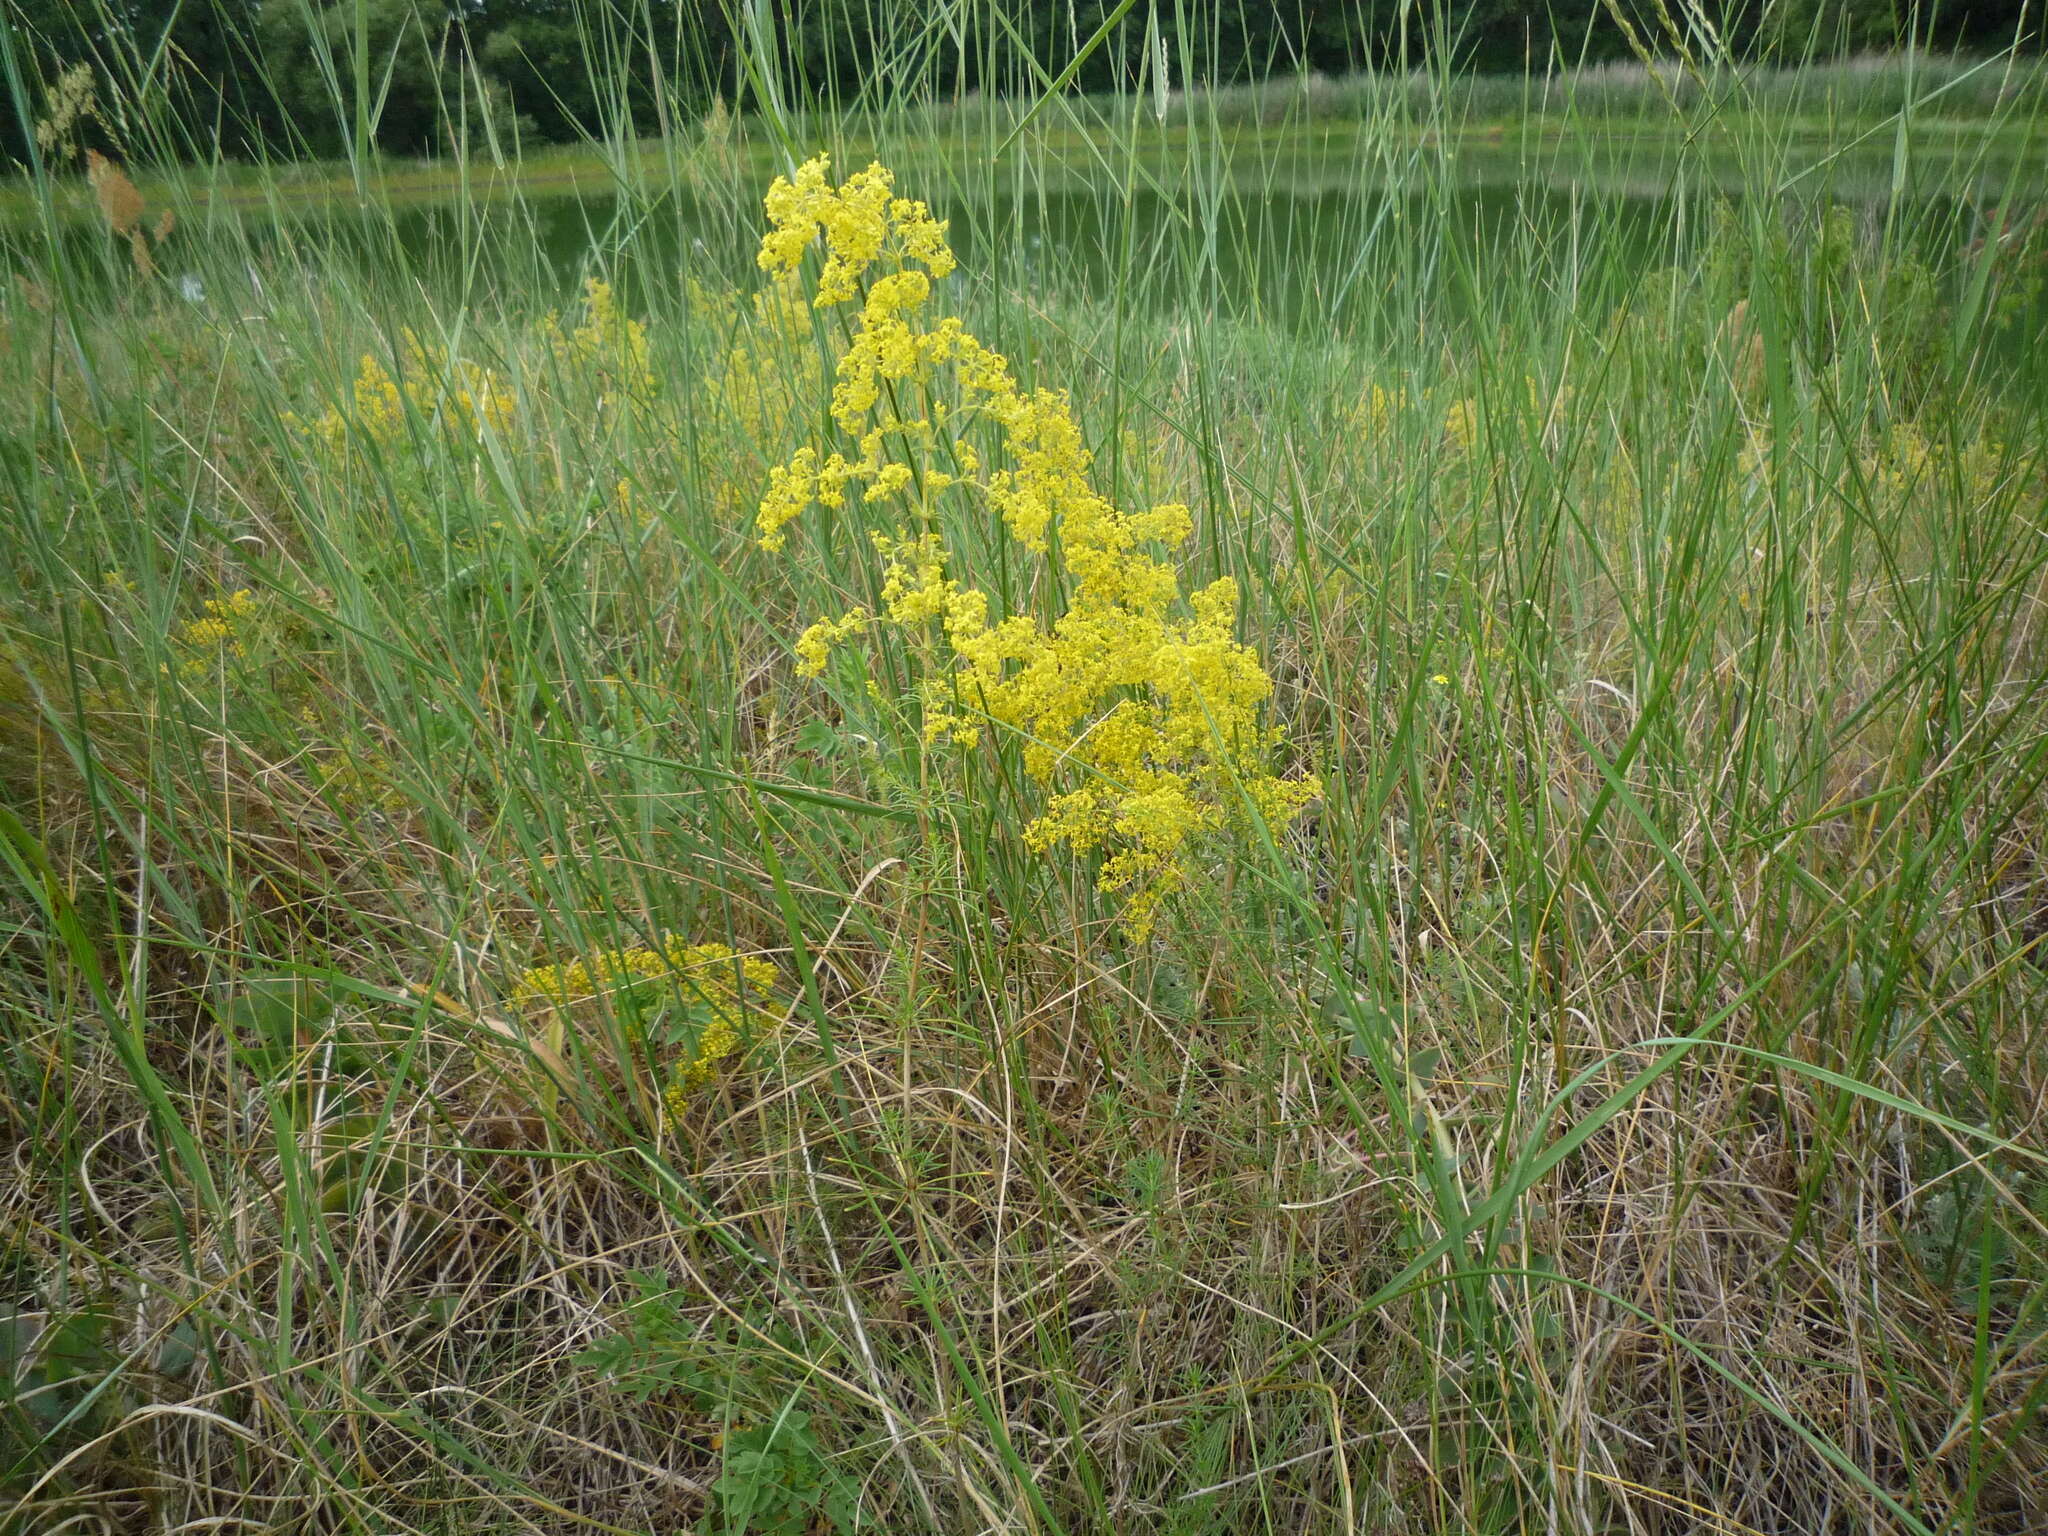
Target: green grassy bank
{"type": "Point", "coordinates": [1979, 116]}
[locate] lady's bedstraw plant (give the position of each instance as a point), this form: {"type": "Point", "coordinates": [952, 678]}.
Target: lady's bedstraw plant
{"type": "Point", "coordinates": [605, 348]}
{"type": "Point", "coordinates": [1149, 712]}
{"type": "Point", "coordinates": [463, 397]}
{"type": "Point", "coordinates": [690, 1003]}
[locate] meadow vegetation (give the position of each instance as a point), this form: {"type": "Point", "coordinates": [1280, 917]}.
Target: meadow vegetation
{"type": "Point", "coordinates": [1976, 110]}
{"type": "Point", "coordinates": [911, 891]}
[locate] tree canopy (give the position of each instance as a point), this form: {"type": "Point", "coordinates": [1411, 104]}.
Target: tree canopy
{"type": "Point", "coordinates": [287, 77]}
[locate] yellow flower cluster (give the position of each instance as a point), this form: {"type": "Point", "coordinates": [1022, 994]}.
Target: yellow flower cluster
{"type": "Point", "coordinates": [1461, 425]}
{"type": "Point", "coordinates": [1152, 714]}
{"type": "Point", "coordinates": [1372, 415]}
{"type": "Point", "coordinates": [380, 409]}
{"type": "Point", "coordinates": [1906, 463]}
{"type": "Point", "coordinates": [768, 378]}
{"type": "Point", "coordinates": [725, 988]}
{"type": "Point", "coordinates": [606, 341]}
{"type": "Point", "coordinates": [219, 622]}
{"type": "Point", "coordinates": [220, 631]}
{"type": "Point", "coordinates": [467, 399]}
{"type": "Point", "coordinates": [464, 397]}
{"type": "Point", "coordinates": [855, 220]}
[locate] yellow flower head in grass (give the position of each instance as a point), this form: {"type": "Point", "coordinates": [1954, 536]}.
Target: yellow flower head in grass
{"type": "Point", "coordinates": [1461, 425]}
{"type": "Point", "coordinates": [763, 388]}
{"type": "Point", "coordinates": [221, 631]}
{"type": "Point", "coordinates": [464, 399]}
{"type": "Point", "coordinates": [380, 410]}
{"type": "Point", "coordinates": [1140, 699]}
{"type": "Point", "coordinates": [606, 343]}
{"type": "Point", "coordinates": [1372, 415]}
{"type": "Point", "coordinates": [691, 1003]}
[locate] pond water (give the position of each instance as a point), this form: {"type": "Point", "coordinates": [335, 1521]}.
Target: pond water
{"type": "Point", "coordinates": [1335, 236]}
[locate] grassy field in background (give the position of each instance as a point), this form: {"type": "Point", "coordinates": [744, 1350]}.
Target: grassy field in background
{"type": "Point", "coordinates": [488, 1043]}
{"type": "Point", "coordinates": [1976, 118]}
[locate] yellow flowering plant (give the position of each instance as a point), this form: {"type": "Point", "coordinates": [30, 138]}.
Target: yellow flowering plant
{"type": "Point", "coordinates": [605, 343]}
{"type": "Point", "coordinates": [689, 1006]}
{"type": "Point", "coordinates": [465, 399]}
{"type": "Point", "coordinates": [221, 625]}
{"type": "Point", "coordinates": [461, 397]}
{"type": "Point", "coordinates": [220, 634]}
{"type": "Point", "coordinates": [762, 380]}
{"type": "Point", "coordinates": [767, 373]}
{"type": "Point", "coordinates": [1137, 708]}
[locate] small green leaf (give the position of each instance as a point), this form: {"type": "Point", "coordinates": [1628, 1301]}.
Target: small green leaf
{"type": "Point", "coordinates": [817, 737]}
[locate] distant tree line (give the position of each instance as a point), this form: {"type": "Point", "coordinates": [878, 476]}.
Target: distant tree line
{"type": "Point", "coordinates": [246, 78]}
